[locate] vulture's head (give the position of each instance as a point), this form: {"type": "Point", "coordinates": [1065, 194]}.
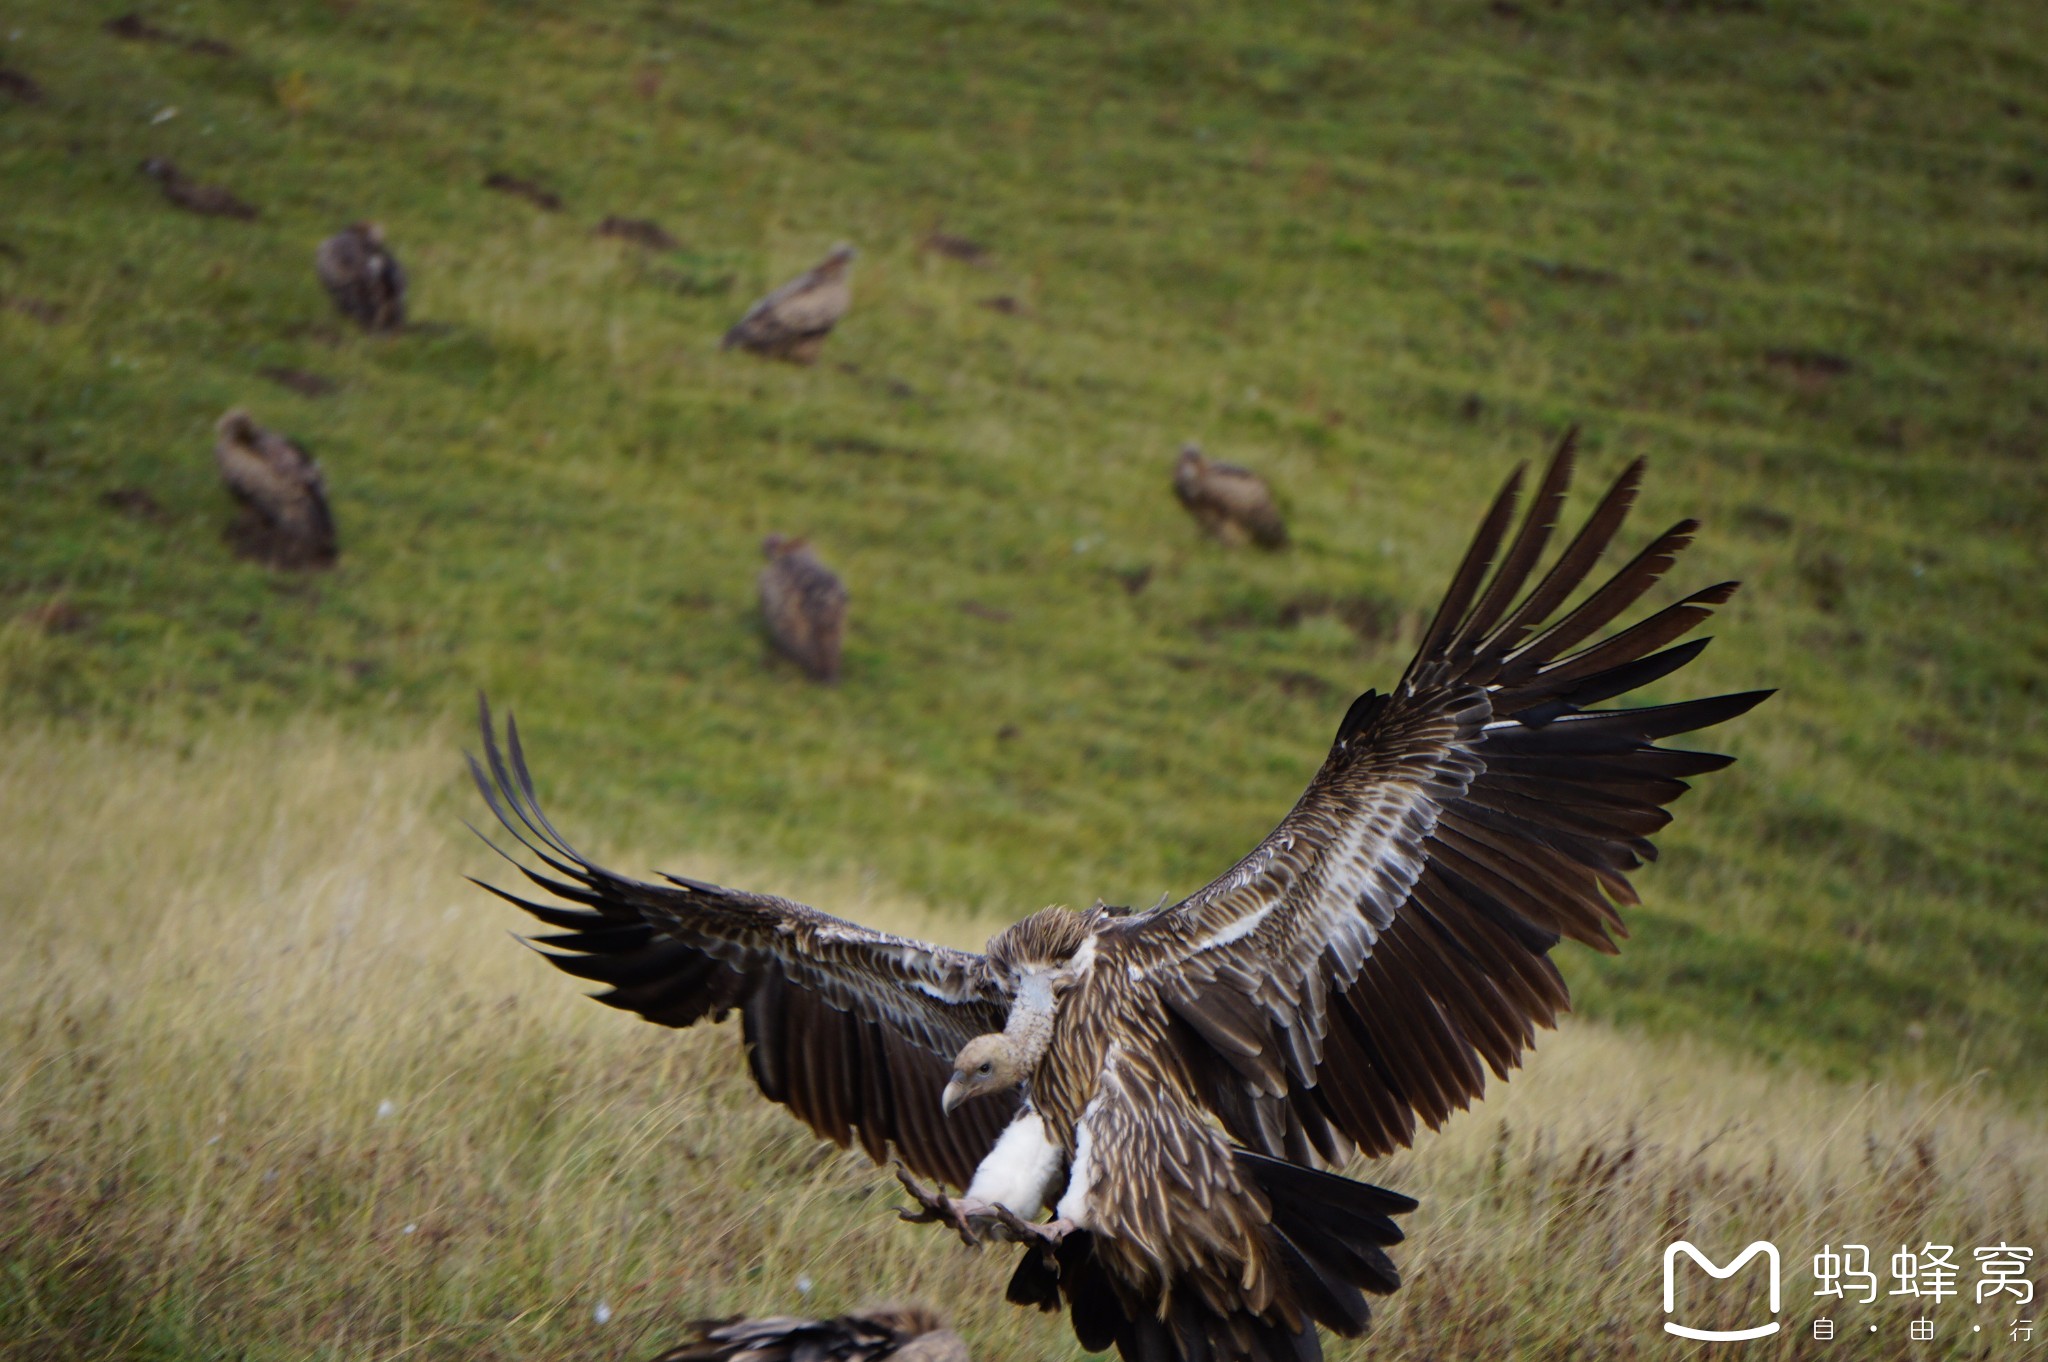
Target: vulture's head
{"type": "Point", "coordinates": [237, 426]}
{"type": "Point", "coordinates": [988, 1064]}
{"type": "Point", "coordinates": [1190, 464]}
{"type": "Point", "coordinates": [782, 545]}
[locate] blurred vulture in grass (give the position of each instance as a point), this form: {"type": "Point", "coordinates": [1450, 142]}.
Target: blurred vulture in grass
{"type": "Point", "coordinates": [792, 322]}
{"type": "Point", "coordinates": [1233, 504]}
{"type": "Point", "coordinates": [886, 1333]}
{"type": "Point", "coordinates": [285, 521]}
{"type": "Point", "coordinates": [1181, 1088]}
{"type": "Point", "coordinates": [207, 200]}
{"type": "Point", "coordinates": [804, 605]}
{"type": "Point", "coordinates": [363, 277]}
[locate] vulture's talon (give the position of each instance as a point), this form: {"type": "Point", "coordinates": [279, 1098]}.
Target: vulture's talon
{"type": "Point", "coordinates": [964, 1217]}
{"type": "Point", "coordinates": [1045, 1238]}
{"type": "Point", "coordinates": [977, 1221]}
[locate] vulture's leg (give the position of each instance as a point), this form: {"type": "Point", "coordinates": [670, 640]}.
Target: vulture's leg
{"type": "Point", "coordinates": [977, 1221]}
{"type": "Point", "coordinates": [1045, 1238]}
{"type": "Point", "coordinates": [966, 1218]}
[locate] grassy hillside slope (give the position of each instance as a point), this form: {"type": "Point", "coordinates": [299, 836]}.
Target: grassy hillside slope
{"type": "Point", "coordinates": [1792, 250]}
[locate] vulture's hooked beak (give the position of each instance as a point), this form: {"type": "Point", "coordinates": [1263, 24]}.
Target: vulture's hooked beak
{"type": "Point", "coordinates": [955, 1094]}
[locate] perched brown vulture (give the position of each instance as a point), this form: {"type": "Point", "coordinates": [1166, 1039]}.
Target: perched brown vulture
{"type": "Point", "coordinates": [886, 1333]}
{"type": "Point", "coordinates": [1233, 504]}
{"type": "Point", "coordinates": [363, 277]}
{"type": "Point", "coordinates": [792, 322]}
{"type": "Point", "coordinates": [285, 521]}
{"type": "Point", "coordinates": [639, 231]}
{"type": "Point", "coordinates": [803, 603]}
{"type": "Point", "coordinates": [1175, 1085]}
{"type": "Point", "coordinates": [207, 200]}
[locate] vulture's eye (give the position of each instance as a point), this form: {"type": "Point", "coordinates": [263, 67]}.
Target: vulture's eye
{"type": "Point", "coordinates": [986, 1066]}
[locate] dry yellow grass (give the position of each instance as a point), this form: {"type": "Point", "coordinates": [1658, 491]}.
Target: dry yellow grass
{"type": "Point", "coordinates": [279, 1086]}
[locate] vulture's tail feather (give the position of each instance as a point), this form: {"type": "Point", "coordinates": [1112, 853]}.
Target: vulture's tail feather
{"type": "Point", "coordinates": [1339, 1229]}
{"type": "Point", "coordinates": [1330, 1232]}
{"type": "Point", "coordinates": [1097, 1312]}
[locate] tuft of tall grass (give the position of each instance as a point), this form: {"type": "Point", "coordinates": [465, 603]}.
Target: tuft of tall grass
{"type": "Point", "coordinates": [279, 1086]}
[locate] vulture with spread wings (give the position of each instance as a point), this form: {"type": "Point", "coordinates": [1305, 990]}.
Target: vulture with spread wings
{"type": "Point", "coordinates": [1176, 1085]}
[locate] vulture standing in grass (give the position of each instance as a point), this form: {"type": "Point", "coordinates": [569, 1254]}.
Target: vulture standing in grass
{"type": "Point", "coordinates": [886, 1333]}
{"type": "Point", "coordinates": [207, 200]}
{"type": "Point", "coordinates": [792, 322]}
{"type": "Point", "coordinates": [803, 603]}
{"type": "Point", "coordinates": [1174, 1085]}
{"type": "Point", "coordinates": [1233, 504]}
{"type": "Point", "coordinates": [363, 277]}
{"type": "Point", "coordinates": [284, 520]}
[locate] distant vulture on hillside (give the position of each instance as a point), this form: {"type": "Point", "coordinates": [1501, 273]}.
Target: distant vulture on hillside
{"type": "Point", "coordinates": [363, 277]}
{"type": "Point", "coordinates": [285, 521]}
{"type": "Point", "coordinates": [792, 322]}
{"type": "Point", "coordinates": [1233, 504]}
{"type": "Point", "coordinates": [886, 1333]}
{"type": "Point", "coordinates": [1177, 1085]}
{"type": "Point", "coordinates": [804, 605]}
{"type": "Point", "coordinates": [640, 231]}
{"type": "Point", "coordinates": [207, 200]}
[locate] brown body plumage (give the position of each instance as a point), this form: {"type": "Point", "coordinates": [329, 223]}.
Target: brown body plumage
{"type": "Point", "coordinates": [207, 200]}
{"type": "Point", "coordinates": [1178, 1084]}
{"type": "Point", "coordinates": [885, 1333]}
{"type": "Point", "coordinates": [803, 603]}
{"type": "Point", "coordinates": [284, 520]}
{"type": "Point", "coordinates": [363, 277]}
{"type": "Point", "coordinates": [792, 322]}
{"type": "Point", "coordinates": [1233, 504]}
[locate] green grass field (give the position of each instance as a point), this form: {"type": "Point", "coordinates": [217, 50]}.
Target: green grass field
{"type": "Point", "coordinates": [1795, 252]}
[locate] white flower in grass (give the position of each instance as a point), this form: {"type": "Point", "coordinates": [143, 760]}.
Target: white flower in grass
{"type": "Point", "coordinates": [386, 1109]}
{"type": "Point", "coordinates": [803, 1286]}
{"type": "Point", "coordinates": [603, 1313]}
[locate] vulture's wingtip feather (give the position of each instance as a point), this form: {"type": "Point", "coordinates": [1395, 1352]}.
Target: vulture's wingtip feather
{"type": "Point", "coordinates": [525, 776]}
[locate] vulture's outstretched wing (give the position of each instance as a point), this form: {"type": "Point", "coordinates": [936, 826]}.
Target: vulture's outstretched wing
{"type": "Point", "coordinates": [1389, 940]}
{"type": "Point", "coordinates": [853, 1030]}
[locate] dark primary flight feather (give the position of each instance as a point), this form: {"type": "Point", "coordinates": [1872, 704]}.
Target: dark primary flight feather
{"type": "Point", "coordinates": [853, 1030]}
